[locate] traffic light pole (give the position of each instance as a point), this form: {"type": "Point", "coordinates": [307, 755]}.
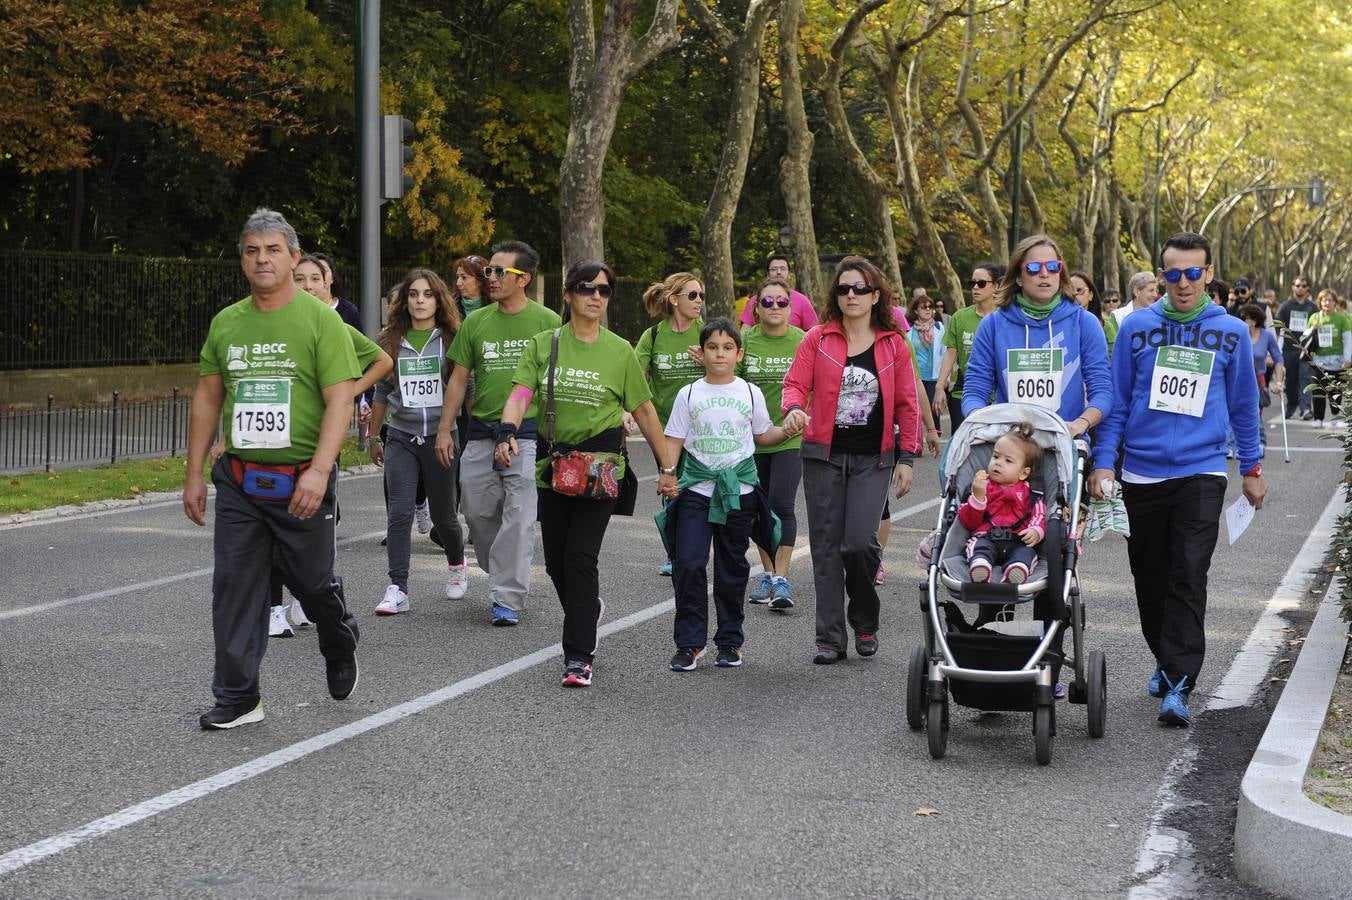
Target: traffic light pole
{"type": "Point", "coordinates": [368, 141]}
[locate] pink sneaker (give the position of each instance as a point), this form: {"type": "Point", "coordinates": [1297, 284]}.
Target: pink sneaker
{"type": "Point", "coordinates": [1016, 573]}
{"type": "Point", "coordinates": [980, 570]}
{"type": "Point", "coordinates": [878, 579]}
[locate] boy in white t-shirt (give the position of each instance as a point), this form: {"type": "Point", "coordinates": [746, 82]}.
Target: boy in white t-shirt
{"type": "Point", "coordinates": [717, 420]}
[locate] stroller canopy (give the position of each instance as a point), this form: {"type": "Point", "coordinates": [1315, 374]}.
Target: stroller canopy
{"type": "Point", "coordinates": [986, 425]}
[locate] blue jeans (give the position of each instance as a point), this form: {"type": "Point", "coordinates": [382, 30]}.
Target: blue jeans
{"type": "Point", "coordinates": [694, 535]}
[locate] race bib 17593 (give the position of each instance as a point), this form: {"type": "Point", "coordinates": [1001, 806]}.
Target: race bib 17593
{"type": "Point", "coordinates": [261, 418]}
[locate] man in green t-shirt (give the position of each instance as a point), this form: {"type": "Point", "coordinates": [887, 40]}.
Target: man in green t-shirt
{"type": "Point", "coordinates": [277, 373]}
{"type": "Point", "coordinates": [499, 503]}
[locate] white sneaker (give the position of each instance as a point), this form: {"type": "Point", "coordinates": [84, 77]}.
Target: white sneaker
{"type": "Point", "coordinates": [278, 626]}
{"type": "Point", "coordinates": [422, 515]}
{"type": "Point", "coordinates": [298, 617]}
{"type": "Point", "coordinates": [395, 602]}
{"type": "Point", "coordinates": [457, 582]}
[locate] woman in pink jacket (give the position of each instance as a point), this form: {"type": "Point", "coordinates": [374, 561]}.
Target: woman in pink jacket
{"type": "Point", "coordinates": [851, 381]}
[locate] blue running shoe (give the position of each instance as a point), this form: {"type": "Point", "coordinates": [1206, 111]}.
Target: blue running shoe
{"type": "Point", "coordinates": [1156, 685]}
{"type": "Point", "coordinates": [665, 571]}
{"type": "Point", "coordinates": [1174, 710]}
{"type": "Point", "coordinates": [780, 597]}
{"type": "Point", "coordinates": [504, 617]}
{"type": "Point", "coordinates": [761, 592]}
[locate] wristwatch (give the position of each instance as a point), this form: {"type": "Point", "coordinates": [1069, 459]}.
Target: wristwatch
{"type": "Point", "coordinates": [667, 471]}
{"type": "Point", "coordinates": [1256, 471]}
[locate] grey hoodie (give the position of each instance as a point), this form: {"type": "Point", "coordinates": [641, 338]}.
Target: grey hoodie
{"type": "Point", "coordinates": [421, 421]}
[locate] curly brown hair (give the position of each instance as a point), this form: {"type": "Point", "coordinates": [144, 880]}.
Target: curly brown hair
{"type": "Point", "coordinates": [882, 317]}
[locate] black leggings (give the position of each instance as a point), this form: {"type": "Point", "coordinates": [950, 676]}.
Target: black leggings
{"type": "Point", "coordinates": [780, 474]}
{"type": "Point", "coordinates": [571, 530]}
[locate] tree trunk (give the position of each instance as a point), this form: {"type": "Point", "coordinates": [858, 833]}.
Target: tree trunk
{"type": "Point", "coordinates": [997, 223]}
{"type": "Point", "coordinates": [794, 181]}
{"type": "Point", "coordinates": [599, 71]}
{"type": "Point", "coordinates": [1110, 221]}
{"type": "Point", "coordinates": [738, 131]}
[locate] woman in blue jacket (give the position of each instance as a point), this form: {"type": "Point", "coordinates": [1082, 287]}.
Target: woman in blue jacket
{"type": "Point", "coordinates": [1040, 346]}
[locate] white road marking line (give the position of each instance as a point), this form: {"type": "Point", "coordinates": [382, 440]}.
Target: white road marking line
{"type": "Point", "coordinates": [1162, 846]}
{"type": "Point", "coordinates": [36, 852]}
{"type": "Point", "coordinates": [143, 585]}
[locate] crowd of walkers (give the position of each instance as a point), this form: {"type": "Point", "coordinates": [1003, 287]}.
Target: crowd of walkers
{"type": "Point", "coordinates": [491, 406]}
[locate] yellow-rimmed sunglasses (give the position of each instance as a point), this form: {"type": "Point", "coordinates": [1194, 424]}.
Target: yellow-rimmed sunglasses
{"type": "Point", "coordinates": [499, 271]}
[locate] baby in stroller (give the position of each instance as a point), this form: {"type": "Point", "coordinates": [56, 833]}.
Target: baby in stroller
{"type": "Point", "coordinates": [1005, 519]}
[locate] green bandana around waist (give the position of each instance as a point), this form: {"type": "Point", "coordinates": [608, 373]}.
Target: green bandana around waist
{"type": "Point", "coordinates": [1174, 315]}
{"type": "Point", "coordinates": [1035, 310]}
{"type": "Point", "coordinates": [727, 484]}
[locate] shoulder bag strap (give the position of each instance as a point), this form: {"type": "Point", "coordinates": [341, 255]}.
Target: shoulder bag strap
{"type": "Point", "coordinates": [549, 389]}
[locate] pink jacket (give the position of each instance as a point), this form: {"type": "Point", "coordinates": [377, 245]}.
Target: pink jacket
{"type": "Point", "coordinates": [1004, 506]}
{"type": "Point", "coordinates": [813, 385]}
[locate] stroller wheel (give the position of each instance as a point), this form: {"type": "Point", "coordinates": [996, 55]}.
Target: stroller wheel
{"type": "Point", "coordinates": [937, 727]}
{"type": "Point", "coordinates": [1042, 734]}
{"type": "Point", "coordinates": [915, 689]}
{"type": "Point", "coordinates": [1097, 679]}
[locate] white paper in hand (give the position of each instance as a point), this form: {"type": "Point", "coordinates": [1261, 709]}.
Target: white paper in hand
{"type": "Point", "coordinates": [1238, 515]}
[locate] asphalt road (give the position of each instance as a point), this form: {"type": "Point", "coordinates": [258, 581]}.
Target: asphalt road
{"type": "Point", "coordinates": [779, 779]}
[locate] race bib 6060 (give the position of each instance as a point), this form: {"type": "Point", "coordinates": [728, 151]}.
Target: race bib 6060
{"type": "Point", "coordinates": [1034, 376]}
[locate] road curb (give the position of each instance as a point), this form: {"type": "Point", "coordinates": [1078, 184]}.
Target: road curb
{"type": "Point", "coordinates": [1284, 841]}
{"type": "Point", "coordinates": [149, 499]}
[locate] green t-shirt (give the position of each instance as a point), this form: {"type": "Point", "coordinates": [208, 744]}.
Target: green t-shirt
{"type": "Point", "coordinates": [275, 366]}
{"type": "Point", "coordinates": [490, 344]}
{"type": "Point", "coordinates": [959, 334]}
{"type": "Point", "coordinates": [1110, 328]}
{"type": "Point", "coordinates": [417, 337]}
{"type": "Point", "coordinates": [765, 363]}
{"type": "Point", "coordinates": [594, 384]}
{"type": "Point", "coordinates": [366, 349]}
{"type": "Point", "coordinates": [665, 360]}
{"type": "Point", "coordinates": [1329, 356]}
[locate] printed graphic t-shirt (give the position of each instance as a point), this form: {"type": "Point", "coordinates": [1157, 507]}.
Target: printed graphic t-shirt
{"type": "Point", "coordinates": [859, 411]}
{"type": "Point", "coordinates": [719, 424]}
{"type": "Point", "coordinates": [489, 344]}
{"type": "Point", "coordinates": [764, 364]}
{"type": "Point", "coordinates": [275, 366]}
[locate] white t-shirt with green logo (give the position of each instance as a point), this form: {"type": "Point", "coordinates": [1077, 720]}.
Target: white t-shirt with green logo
{"type": "Point", "coordinates": [275, 366]}
{"type": "Point", "coordinates": [490, 344]}
{"type": "Point", "coordinates": [719, 424]}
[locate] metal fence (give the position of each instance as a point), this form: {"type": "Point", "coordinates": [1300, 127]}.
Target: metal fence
{"type": "Point", "coordinates": [76, 309]}
{"type": "Point", "coordinates": [53, 437]}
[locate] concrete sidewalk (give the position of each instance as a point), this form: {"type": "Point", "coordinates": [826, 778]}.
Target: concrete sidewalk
{"type": "Point", "coordinates": [1284, 841]}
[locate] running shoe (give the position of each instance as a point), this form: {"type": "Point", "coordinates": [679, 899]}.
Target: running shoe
{"type": "Point", "coordinates": [729, 657]}
{"type": "Point", "coordinates": [1156, 685]}
{"type": "Point", "coordinates": [298, 617]}
{"type": "Point", "coordinates": [826, 656]}
{"type": "Point", "coordinates": [394, 602]}
{"type": "Point", "coordinates": [686, 658]}
{"type": "Point", "coordinates": [878, 579]}
{"type": "Point", "coordinates": [1059, 691]}
{"type": "Point", "coordinates": [457, 581]}
{"type": "Point", "coordinates": [422, 517]}
{"type": "Point", "coordinates": [1174, 708]}
{"type": "Point", "coordinates": [278, 626]}
{"type": "Point", "coordinates": [504, 617]}
{"type": "Point", "coordinates": [780, 598]}
{"type": "Point", "coordinates": [342, 676]}
{"type": "Point", "coordinates": [761, 592]}
{"type": "Point", "coordinates": [665, 570]}
{"type": "Point", "coordinates": [866, 643]}
{"type": "Point", "coordinates": [223, 716]}
{"type": "Point", "coordinates": [577, 674]}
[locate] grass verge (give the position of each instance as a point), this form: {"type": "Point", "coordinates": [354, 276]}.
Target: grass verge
{"type": "Point", "coordinates": [42, 490]}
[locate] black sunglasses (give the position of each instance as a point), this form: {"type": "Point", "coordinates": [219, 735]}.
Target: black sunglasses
{"type": "Point", "coordinates": [592, 287]}
{"type": "Point", "coordinates": [691, 295]}
{"type": "Point", "coordinates": [978, 283]}
{"type": "Point", "coordinates": [860, 289]}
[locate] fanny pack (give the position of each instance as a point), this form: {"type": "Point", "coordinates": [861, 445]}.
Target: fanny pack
{"type": "Point", "coordinates": [577, 473]}
{"type": "Point", "coordinates": [264, 481]}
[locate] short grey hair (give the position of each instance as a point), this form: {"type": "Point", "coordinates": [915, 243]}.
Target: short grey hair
{"type": "Point", "coordinates": [268, 221]}
{"type": "Point", "coordinates": [1139, 281]}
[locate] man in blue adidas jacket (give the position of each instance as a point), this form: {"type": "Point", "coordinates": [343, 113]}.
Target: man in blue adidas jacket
{"type": "Point", "coordinates": [1181, 373]}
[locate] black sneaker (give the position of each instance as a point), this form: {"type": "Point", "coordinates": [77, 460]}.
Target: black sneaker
{"type": "Point", "coordinates": [342, 675]}
{"type": "Point", "coordinates": [729, 657]}
{"type": "Point", "coordinates": [866, 643]}
{"type": "Point", "coordinates": [223, 716]}
{"type": "Point", "coordinates": [825, 656]}
{"type": "Point", "coordinates": [685, 659]}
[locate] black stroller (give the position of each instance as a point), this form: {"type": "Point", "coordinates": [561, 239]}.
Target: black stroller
{"type": "Point", "coordinates": [999, 661]}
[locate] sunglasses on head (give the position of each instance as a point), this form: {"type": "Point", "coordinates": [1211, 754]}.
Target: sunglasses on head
{"type": "Point", "coordinates": [1052, 266]}
{"type": "Point", "coordinates": [591, 287]}
{"type": "Point", "coordinates": [781, 302]}
{"type": "Point", "coordinates": [476, 260]}
{"type": "Point", "coordinates": [860, 288]}
{"type": "Point", "coordinates": [500, 271]}
{"type": "Point", "coordinates": [978, 283]}
{"type": "Point", "coordinates": [1194, 273]}
{"type": "Point", "coordinates": [692, 296]}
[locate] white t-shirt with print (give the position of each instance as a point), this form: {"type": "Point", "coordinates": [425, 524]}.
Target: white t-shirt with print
{"type": "Point", "coordinates": [718, 423]}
